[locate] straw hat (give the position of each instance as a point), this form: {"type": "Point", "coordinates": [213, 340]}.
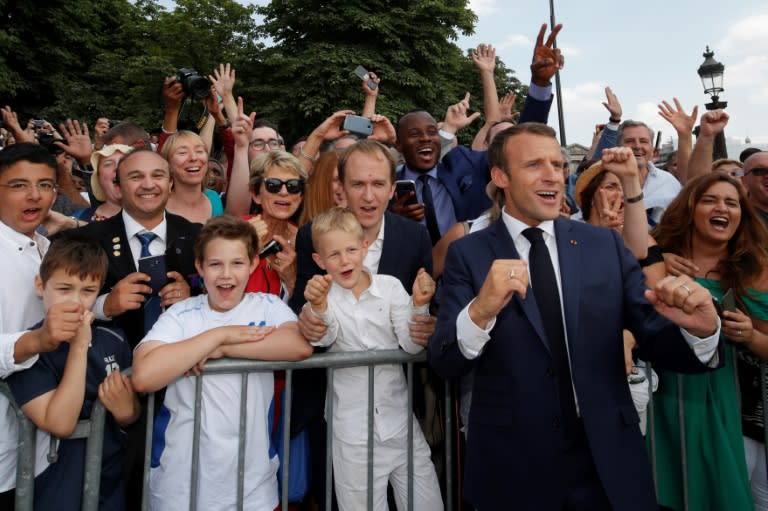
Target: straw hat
{"type": "Point", "coordinates": [584, 179]}
{"type": "Point", "coordinates": [96, 157]}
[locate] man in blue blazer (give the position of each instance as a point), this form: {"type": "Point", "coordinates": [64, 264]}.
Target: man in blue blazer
{"type": "Point", "coordinates": [543, 435]}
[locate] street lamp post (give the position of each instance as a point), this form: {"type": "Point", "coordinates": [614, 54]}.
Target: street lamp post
{"type": "Point", "coordinates": [711, 74]}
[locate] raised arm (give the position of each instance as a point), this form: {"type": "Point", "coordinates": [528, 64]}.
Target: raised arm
{"type": "Point", "coordinates": [173, 96]}
{"type": "Point", "coordinates": [609, 136]}
{"type": "Point", "coordinates": [57, 411]}
{"type": "Point", "coordinates": [711, 124]}
{"type": "Point", "coordinates": [329, 129]}
{"type": "Point", "coordinates": [621, 162]}
{"type": "Point", "coordinates": [369, 106]}
{"type": "Point", "coordinates": [238, 194]}
{"type": "Point", "coordinates": [683, 124]}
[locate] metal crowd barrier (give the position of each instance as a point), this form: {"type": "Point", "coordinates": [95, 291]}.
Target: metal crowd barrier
{"type": "Point", "coordinates": [93, 429]}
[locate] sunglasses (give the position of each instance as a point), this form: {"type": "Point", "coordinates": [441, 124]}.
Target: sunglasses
{"type": "Point", "coordinates": [758, 171]}
{"type": "Point", "coordinates": [293, 186]}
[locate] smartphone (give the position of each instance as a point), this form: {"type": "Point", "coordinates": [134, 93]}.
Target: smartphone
{"type": "Point", "coordinates": [404, 187]}
{"type": "Point", "coordinates": [273, 247]}
{"type": "Point", "coordinates": [362, 73]}
{"type": "Point", "coordinates": [361, 126]}
{"type": "Point", "coordinates": [154, 266]}
{"type": "Point", "coordinates": [728, 301]}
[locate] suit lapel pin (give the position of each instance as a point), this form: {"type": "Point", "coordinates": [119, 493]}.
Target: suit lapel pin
{"type": "Point", "coordinates": [116, 239]}
{"type": "Point", "coordinates": [574, 242]}
{"type": "Point", "coordinates": [116, 246]}
{"type": "Point", "coordinates": [116, 253]}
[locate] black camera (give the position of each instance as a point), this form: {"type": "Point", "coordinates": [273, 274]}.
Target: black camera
{"type": "Point", "coordinates": [273, 247]}
{"type": "Point", "coordinates": [38, 124]}
{"type": "Point", "coordinates": [193, 84]}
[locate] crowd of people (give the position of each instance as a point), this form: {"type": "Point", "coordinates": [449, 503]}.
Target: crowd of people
{"type": "Point", "coordinates": [555, 301]}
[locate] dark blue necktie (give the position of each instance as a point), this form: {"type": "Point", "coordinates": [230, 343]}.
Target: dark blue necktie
{"type": "Point", "coordinates": [152, 308]}
{"type": "Point", "coordinates": [429, 209]}
{"type": "Point", "coordinates": [547, 296]}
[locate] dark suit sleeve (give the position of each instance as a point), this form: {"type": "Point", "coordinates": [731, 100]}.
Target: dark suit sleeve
{"type": "Point", "coordinates": [305, 267]}
{"type": "Point", "coordinates": [456, 292]}
{"type": "Point", "coordinates": [659, 340]}
{"type": "Point", "coordinates": [535, 110]}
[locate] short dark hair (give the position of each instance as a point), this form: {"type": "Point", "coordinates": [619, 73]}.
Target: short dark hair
{"type": "Point", "coordinates": [226, 227]}
{"type": "Point", "coordinates": [369, 147]}
{"type": "Point", "coordinates": [408, 114]}
{"type": "Point", "coordinates": [131, 134]}
{"type": "Point", "coordinates": [26, 151]}
{"type": "Point", "coordinates": [746, 153]}
{"type": "Point", "coordinates": [264, 123]}
{"type": "Point", "coordinates": [496, 157]}
{"type": "Point", "coordinates": [77, 255]}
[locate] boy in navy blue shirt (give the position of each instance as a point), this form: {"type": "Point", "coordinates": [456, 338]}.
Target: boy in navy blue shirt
{"type": "Point", "coordinates": [62, 386]}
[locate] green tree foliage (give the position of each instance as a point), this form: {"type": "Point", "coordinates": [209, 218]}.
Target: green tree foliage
{"type": "Point", "coordinates": [90, 58]}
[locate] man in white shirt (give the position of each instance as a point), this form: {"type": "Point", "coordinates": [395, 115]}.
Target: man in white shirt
{"type": "Point", "coordinates": [27, 191]}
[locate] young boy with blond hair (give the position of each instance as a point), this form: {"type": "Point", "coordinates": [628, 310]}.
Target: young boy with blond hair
{"type": "Point", "coordinates": [363, 311]}
{"type": "Point", "coordinates": [62, 386]}
{"type": "Point", "coordinates": [225, 322]}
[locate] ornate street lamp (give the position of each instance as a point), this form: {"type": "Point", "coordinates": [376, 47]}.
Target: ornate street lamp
{"type": "Point", "coordinates": [711, 74]}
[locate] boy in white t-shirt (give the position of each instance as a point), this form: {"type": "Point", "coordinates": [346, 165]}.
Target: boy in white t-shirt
{"type": "Point", "coordinates": [226, 322]}
{"type": "Point", "coordinates": [369, 312]}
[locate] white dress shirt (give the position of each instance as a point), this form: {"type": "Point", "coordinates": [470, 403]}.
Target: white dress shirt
{"type": "Point", "coordinates": [378, 320]}
{"type": "Point", "coordinates": [20, 308]}
{"type": "Point", "coordinates": [373, 257]}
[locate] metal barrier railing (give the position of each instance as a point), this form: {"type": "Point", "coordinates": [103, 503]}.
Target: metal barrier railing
{"type": "Point", "coordinates": [93, 429]}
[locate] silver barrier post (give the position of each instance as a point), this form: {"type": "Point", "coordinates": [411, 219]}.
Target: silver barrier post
{"type": "Point", "coordinates": [329, 440]}
{"type": "Point", "coordinates": [410, 435]}
{"type": "Point", "coordinates": [25, 461]}
{"type": "Point", "coordinates": [287, 436]}
{"type": "Point", "coordinates": [241, 441]}
{"type": "Point", "coordinates": [370, 437]}
{"type": "Point", "coordinates": [149, 428]}
{"type": "Point", "coordinates": [93, 457]}
{"type": "Point", "coordinates": [196, 444]}
{"type": "Point", "coordinates": [651, 427]}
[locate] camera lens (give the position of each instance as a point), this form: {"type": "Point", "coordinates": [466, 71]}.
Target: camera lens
{"type": "Point", "coordinates": [193, 84]}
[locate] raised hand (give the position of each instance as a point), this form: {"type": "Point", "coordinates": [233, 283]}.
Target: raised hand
{"type": "Point", "coordinates": [484, 58]}
{"type": "Point", "coordinates": [456, 116]}
{"type": "Point", "coordinates": [505, 277]}
{"type": "Point", "coordinates": [383, 131]}
{"type": "Point", "coordinates": [78, 142]}
{"type": "Point", "coordinates": [423, 288]}
{"type": "Point", "coordinates": [507, 106]}
{"type": "Point", "coordinates": [223, 79]}
{"type": "Point", "coordinates": [682, 122]}
{"type": "Point", "coordinates": [620, 161]}
{"type": "Point", "coordinates": [685, 303]}
{"type": "Point", "coordinates": [317, 290]}
{"type": "Point", "coordinates": [242, 126]}
{"type": "Point", "coordinates": [713, 122]}
{"type": "Point", "coordinates": [612, 104]}
{"type": "Point", "coordinates": [547, 59]}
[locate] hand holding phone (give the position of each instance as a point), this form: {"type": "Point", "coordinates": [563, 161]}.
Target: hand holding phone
{"type": "Point", "coordinates": [361, 126]}
{"type": "Point", "coordinates": [404, 187]}
{"type": "Point", "coordinates": [154, 266]}
{"type": "Point", "coordinates": [361, 73]}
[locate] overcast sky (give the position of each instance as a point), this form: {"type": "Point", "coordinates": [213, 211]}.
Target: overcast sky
{"type": "Point", "coordinates": [645, 51]}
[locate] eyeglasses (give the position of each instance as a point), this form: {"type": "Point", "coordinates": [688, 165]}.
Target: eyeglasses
{"type": "Point", "coordinates": [293, 186]}
{"type": "Point", "coordinates": [25, 187]}
{"type": "Point", "coordinates": [259, 143]}
{"type": "Point", "coordinates": [758, 171]}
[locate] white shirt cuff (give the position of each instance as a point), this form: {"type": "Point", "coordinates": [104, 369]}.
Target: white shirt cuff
{"type": "Point", "coordinates": [470, 337]}
{"type": "Point", "coordinates": [539, 92]}
{"type": "Point", "coordinates": [8, 364]}
{"type": "Point", "coordinates": [706, 348]}
{"type": "Point", "coordinates": [98, 308]}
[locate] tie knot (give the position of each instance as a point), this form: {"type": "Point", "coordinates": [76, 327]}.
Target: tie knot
{"type": "Point", "coordinates": [534, 234]}
{"type": "Point", "coordinates": [146, 238]}
{"type": "Point", "coordinates": [424, 178]}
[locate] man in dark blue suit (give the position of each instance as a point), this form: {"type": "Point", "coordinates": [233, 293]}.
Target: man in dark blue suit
{"type": "Point", "coordinates": [552, 425]}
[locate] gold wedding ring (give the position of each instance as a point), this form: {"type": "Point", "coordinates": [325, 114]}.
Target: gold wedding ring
{"type": "Point", "coordinates": [511, 274]}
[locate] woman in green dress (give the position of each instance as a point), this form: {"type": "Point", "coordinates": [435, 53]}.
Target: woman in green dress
{"type": "Point", "coordinates": [712, 224]}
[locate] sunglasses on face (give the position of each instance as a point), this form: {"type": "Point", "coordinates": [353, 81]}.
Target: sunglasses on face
{"type": "Point", "coordinates": [758, 171]}
{"type": "Point", "coordinates": [293, 186]}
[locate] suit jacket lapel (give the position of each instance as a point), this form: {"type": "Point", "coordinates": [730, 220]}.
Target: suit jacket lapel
{"type": "Point", "coordinates": [569, 253]}
{"type": "Point", "coordinates": [504, 248]}
{"type": "Point", "coordinates": [119, 251]}
{"type": "Point", "coordinates": [390, 252]}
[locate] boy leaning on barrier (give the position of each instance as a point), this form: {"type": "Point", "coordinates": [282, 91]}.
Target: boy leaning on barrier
{"type": "Point", "coordinates": [363, 311]}
{"type": "Point", "coordinates": [226, 322]}
{"type": "Point", "coordinates": [63, 385]}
